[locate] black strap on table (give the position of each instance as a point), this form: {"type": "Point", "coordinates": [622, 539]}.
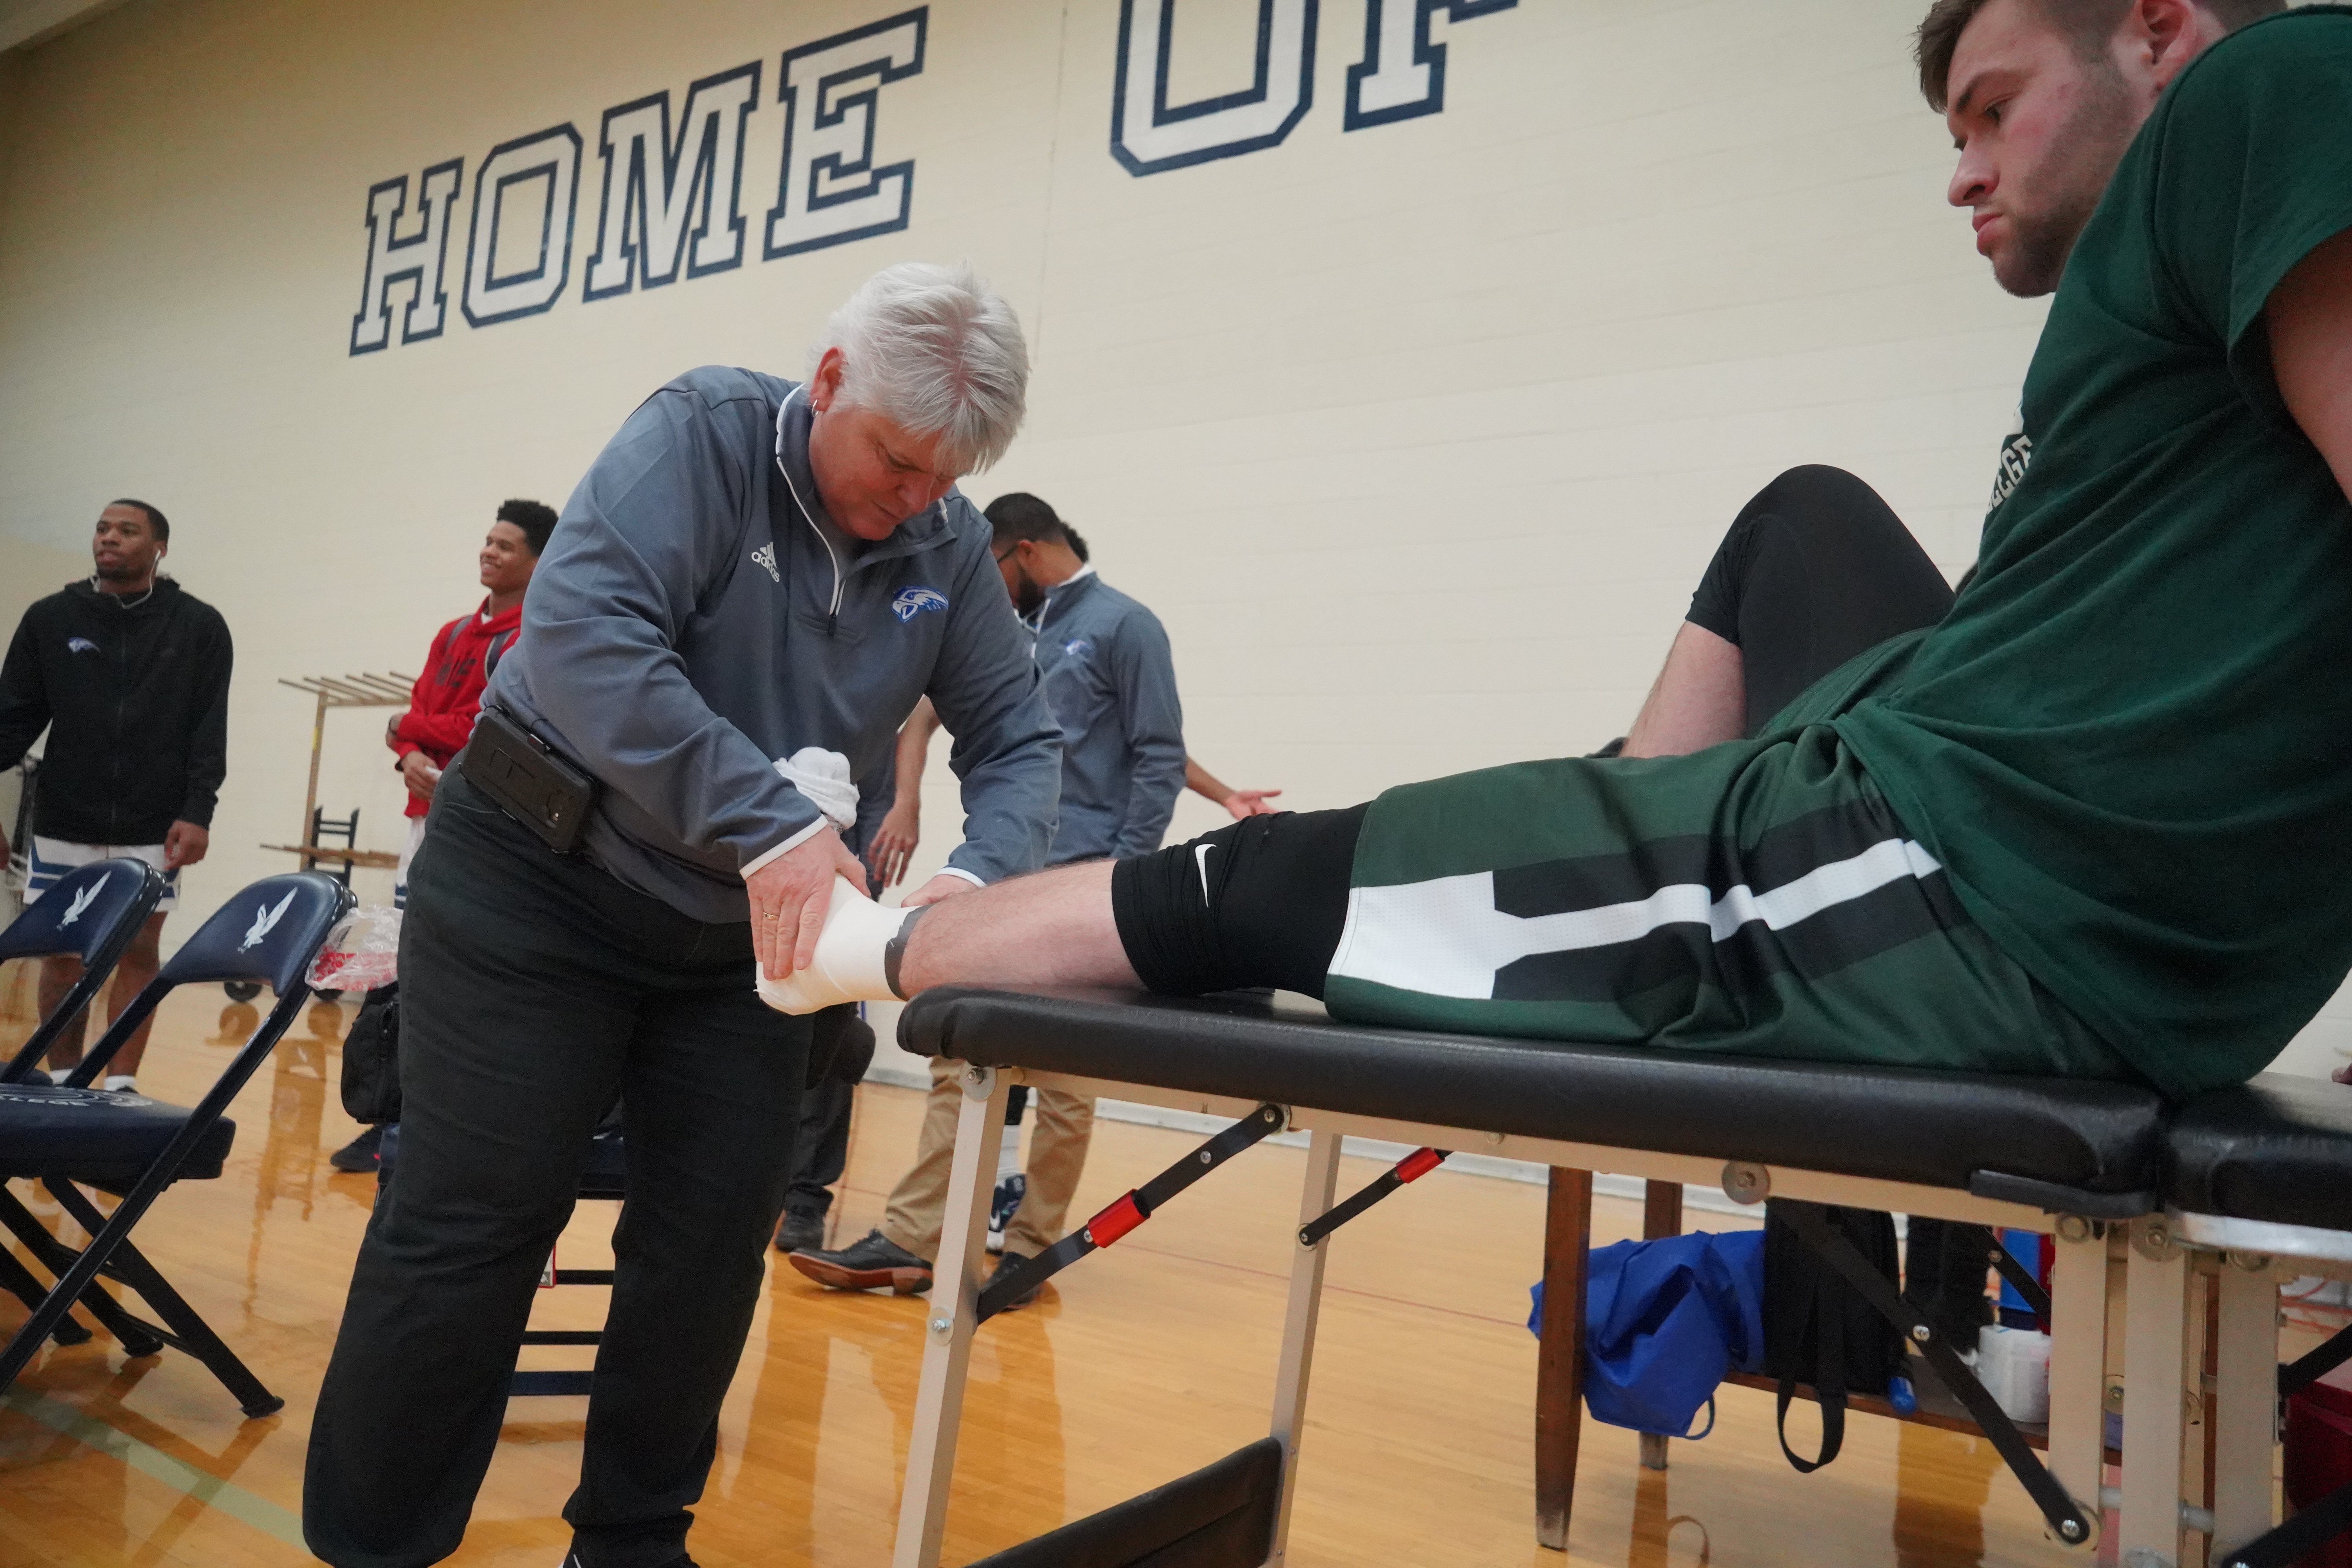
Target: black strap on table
{"type": "Point", "coordinates": [2066, 1521]}
{"type": "Point", "coordinates": [2313, 1365]}
{"type": "Point", "coordinates": [2299, 1537]}
{"type": "Point", "coordinates": [2021, 1280]}
{"type": "Point", "coordinates": [1412, 1168]}
{"type": "Point", "coordinates": [1014, 1281]}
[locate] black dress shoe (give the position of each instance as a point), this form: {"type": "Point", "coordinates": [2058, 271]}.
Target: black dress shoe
{"type": "Point", "coordinates": [875, 1262]}
{"type": "Point", "coordinates": [801, 1229]}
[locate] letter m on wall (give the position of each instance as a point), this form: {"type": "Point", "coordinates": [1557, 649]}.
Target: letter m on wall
{"type": "Point", "coordinates": [413, 259]}
{"type": "Point", "coordinates": [659, 191]}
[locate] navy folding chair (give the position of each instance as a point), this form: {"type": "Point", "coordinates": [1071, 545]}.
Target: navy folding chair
{"type": "Point", "coordinates": [136, 1147]}
{"type": "Point", "coordinates": [91, 913]}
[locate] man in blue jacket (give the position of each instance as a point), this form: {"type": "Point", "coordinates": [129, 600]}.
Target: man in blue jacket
{"type": "Point", "coordinates": [1112, 684]}
{"type": "Point", "coordinates": [748, 592]}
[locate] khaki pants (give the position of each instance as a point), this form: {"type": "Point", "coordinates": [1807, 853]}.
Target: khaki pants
{"type": "Point", "coordinates": [1057, 1156]}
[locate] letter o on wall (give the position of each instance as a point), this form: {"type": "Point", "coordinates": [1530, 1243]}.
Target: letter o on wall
{"type": "Point", "coordinates": [518, 250]}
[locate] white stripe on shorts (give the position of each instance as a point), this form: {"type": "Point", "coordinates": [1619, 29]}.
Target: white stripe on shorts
{"type": "Point", "coordinates": [1445, 937]}
{"type": "Point", "coordinates": [53, 857]}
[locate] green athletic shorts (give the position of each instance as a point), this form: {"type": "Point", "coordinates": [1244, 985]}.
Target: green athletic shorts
{"type": "Point", "coordinates": [1757, 897]}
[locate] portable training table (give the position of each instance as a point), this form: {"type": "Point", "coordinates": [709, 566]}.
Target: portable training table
{"type": "Point", "coordinates": [1988, 1149]}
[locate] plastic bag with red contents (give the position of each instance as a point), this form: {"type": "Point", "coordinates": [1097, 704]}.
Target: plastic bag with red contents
{"type": "Point", "coordinates": [360, 954]}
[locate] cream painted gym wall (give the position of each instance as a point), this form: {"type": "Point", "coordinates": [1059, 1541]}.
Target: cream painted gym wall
{"type": "Point", "coordinates": [1415, 436]}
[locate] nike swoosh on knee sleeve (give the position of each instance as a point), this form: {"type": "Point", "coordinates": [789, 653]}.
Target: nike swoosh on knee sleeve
{"type": "Point", "coordinates": [1201, 856]}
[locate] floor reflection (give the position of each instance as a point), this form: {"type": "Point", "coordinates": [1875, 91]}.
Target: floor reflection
{"type": "Point", "coordinates": [290, 1168]}
{"type": "Point", "coordinates": [860, 1348]}
{"type": "Point", "coordinates": [1660, 1538]}
{"type": "Point", "coordinates": [1943, 1481]}
{"type": "Point", "coordinates": [235, 1026]}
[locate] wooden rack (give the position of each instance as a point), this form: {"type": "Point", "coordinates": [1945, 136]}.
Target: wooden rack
{"type": "Point", "coordinates": [387, 690]}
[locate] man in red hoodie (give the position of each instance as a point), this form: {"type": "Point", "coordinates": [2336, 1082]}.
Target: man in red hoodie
{"type": "Point", "coordinates": [440, 714]}
{"type": "Point", "coordinates": [441, 711]}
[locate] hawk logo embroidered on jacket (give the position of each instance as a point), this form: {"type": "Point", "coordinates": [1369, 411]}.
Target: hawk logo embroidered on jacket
{"type": "Point", "coordinates": [80, 644]}
{"type": "Point", "coordinates": [83, 900]}
{"type": "Point", "coordinates": [265, 920]}
{"type": "Point", "coordinates": [912, 602]}
{"type": "Point", "coordinates": [766, 556]}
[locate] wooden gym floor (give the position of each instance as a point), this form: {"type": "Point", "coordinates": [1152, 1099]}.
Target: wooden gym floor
{"type": "Point", "coordinates": [1137, 1366]}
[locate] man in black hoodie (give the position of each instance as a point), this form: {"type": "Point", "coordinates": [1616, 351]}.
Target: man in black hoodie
{"type": "Point", "coordinates": [129, 676]}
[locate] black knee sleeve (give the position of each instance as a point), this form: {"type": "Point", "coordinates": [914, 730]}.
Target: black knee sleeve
{"type": "Point", "coordinates": [1814, 570]}
{"type": "Point", "coordinates": [1260, 902]}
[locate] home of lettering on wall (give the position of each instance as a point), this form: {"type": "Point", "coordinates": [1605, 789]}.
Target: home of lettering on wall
{"type": "Point", "coordinates": [667, 187]}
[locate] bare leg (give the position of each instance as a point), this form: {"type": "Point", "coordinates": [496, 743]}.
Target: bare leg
{"type": "Point", "coordinates": [1052, 928]}
{"type": "Point", "coordinates": [138, 967]}
{"type": "Point", "coordinates": [131, 976]}
{"type": "Point", "coordinates": [58, 973]}
{"type": "Point", "coordinates": [1700, 698]}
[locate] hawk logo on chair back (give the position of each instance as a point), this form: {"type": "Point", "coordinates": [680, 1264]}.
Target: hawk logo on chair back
{"type": "Point", "coordinates": [83, 900]}
{"type": "Point", "coordinates": [913, 602]}
{"type": "Point", "coordinates": [265, 920]}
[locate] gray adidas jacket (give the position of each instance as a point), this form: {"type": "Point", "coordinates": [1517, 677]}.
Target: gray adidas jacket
{"type": "Point", "coordinates": [687, 625]}
{"type": "Point", "coordinates": [1112, 687]}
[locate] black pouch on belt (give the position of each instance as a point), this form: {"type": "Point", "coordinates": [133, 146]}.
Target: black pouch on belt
{"type": "Point", "coordinates": [1821, 1332]}
{"type": "Point", "coordinates": [371, 1058]}
{"type": "Point", "coordinates": [528, 780]}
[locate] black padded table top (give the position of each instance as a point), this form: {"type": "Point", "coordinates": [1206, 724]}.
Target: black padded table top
{"type": "Point", "coordinates": [2278, 1149]}
{"type": "Point", "coordinates": [1993, 1134]}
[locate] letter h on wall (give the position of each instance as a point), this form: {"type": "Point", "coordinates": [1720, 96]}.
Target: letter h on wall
{"type": "Point", "coordinates": [415, 259]}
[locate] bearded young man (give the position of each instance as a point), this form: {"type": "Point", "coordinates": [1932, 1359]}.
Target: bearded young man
{"type": "Point", "coordinates": [753, 585]}
{"type": "Point", "coordinates": [2089, 823]}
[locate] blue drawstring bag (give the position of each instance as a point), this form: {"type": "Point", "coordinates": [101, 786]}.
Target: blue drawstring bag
{"type": "Point", "coordinates": [1663, 1320]}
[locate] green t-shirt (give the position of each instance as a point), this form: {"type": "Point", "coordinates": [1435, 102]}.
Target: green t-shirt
{"type": "Point", "coordinates": [2131, 741]}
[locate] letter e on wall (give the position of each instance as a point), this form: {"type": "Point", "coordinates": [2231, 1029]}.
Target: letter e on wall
{"type": "Point", "coordinates": [830, 191]}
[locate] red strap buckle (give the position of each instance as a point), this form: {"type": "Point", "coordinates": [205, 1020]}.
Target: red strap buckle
{"type": "Point", "coordinates": [1418, 1164]}
{"type": "Point", "coordinates": [1114, 1221]}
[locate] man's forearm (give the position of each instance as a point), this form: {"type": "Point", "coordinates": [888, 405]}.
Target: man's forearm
{"type": "Point", "coordinates": [1010, 801]}
{"type": "Point", "coordinates": [913, 755]}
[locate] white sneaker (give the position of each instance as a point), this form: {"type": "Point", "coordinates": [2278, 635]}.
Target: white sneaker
{"type": "Point", "coordinates": [848, 965]}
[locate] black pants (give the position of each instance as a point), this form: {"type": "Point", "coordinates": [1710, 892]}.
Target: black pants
{"type": "Point", "coordinates": [534, 989]}
{"type": "Point", "coordinates": [1813, 570]}
{"type": "Point", "coordinates": [824, 1145]}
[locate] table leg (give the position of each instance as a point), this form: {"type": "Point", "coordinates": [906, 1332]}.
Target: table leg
{"type": "Point", "coordinates": [2246, 1400]}
{"type": "Point", "coordinates": [1559, 1365]}
{"type": "Point", "coordinates": [1298, 1326]}
{"type": "Point", "coordinates": [1662, 1216]}
{"type": "Point", "coordinates": [2078, 1352]}
{"type": "Point", "coordinates": [2156, 1347]}
{"type": "Point", "coordinates": [953, 1315]}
